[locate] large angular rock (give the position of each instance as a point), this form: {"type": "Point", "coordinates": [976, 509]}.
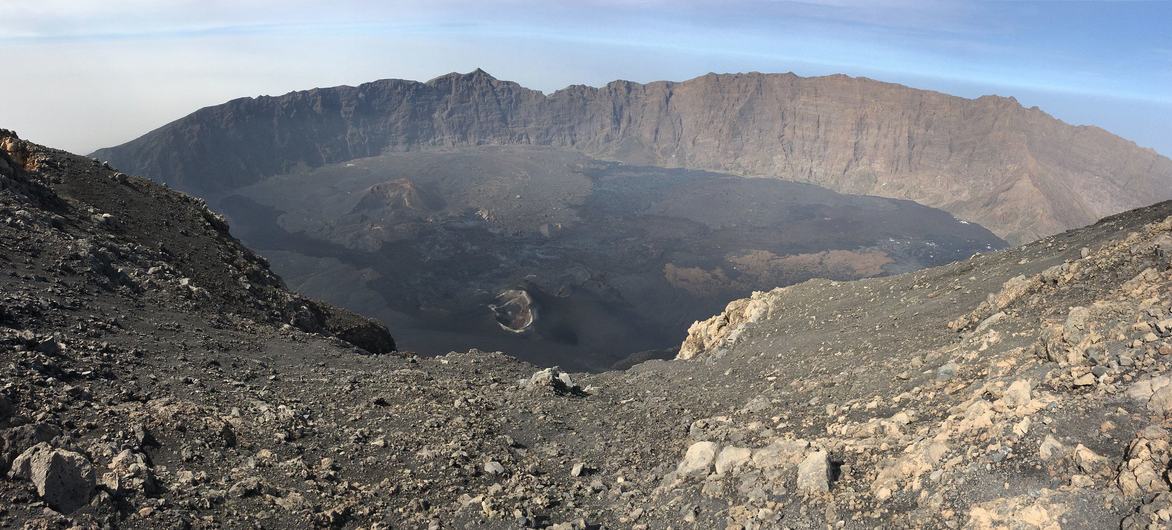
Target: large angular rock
{"type": "Point", "coordinates": [731, 458]}
{"type": "Point", "coordinates": [780, 453]}
{"type": "Point", "coordinates": [814, 473]}
{"type": "Point", "coordinates": [698, 459]}
{"type": "Point", "coordinates": [1145, 463]}
{"type": "Point", "coordinates": [553, 380]}
{"type": "Point", "coordinates": [64, 479]}
{"type": "Point", "coordinates": [1155, 393]}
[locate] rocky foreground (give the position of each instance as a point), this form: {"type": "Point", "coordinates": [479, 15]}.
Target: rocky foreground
{"type": "Point", "coordinates": [154, 374]}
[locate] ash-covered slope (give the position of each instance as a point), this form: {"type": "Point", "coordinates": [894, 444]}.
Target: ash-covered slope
{"type": "Point", "coordinates": [130, 234]}
{"type": "Point", "coordinates": [1017, 171]}
{"type": "Point", "coordinates": [1026, 388]}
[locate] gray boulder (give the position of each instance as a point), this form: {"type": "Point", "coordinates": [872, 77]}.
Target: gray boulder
{"type": "Point", "coordinates": [64, 479]}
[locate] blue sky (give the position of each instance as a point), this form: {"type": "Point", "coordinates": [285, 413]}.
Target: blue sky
{"type": "Point", "coordinates": [103, 72]}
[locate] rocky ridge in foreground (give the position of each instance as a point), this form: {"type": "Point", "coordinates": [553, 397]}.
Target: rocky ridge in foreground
{"type": "Point", "coordinates": [1044, 404]}
{"type": "Point", "coordinates": [1027, 388]}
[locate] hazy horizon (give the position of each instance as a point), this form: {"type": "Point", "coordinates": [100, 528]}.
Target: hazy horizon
{"type": "Point", "coordinates": [120, 69]}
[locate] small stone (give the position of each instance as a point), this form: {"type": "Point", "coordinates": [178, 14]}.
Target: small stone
{"type": "Point", "coordinates": [1018, 394]}
{"type": "Point", "coordinates": [1090, 462]}
{"type": "Point", "coordinates": [144, 436]}
{"type": "Point", "coordinates": [493, 467]}
{"type": "Point", "coordinates": [246, 488]}
{"type": "Point", "coordinates": [1086, 379]}
{"type": "Point", "coordinates": [578, 470]}
{"type": "Point", "coordinates": [1022, 427]}
{"type": "Point", "coordinates": [947, 371]}
{"type": "Point", "coordinates": [1049, 448]}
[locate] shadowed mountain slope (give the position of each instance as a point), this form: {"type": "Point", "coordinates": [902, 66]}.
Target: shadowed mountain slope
{"type": "Point", "coordinates": [180, 243]}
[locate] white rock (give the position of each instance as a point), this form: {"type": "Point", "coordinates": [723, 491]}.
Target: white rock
{"type": "Point", "coordinates": [1018, 394]}
{"type": "Point", "coordinates": [698, 459]}
{"type": "Point", "coordinates": [1155, 392]}
{"type": "Point", "coordinates": [731, 458]}
{"type": "Point", "coordinates": [1049, 448]}
{"type": "Point", "coordinates": [814, 473]}
{"type": "Point", "coordinates": [780, 453]}
{"type": "Point", "coordinates": [494, 468]}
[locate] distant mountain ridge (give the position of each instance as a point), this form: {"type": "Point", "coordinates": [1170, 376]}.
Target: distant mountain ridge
{"type": "Point", "coordinates": [1018, 171]}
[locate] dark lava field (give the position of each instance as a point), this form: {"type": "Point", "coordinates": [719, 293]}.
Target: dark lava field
{"type": "Point", "coordinates": [565, 260]}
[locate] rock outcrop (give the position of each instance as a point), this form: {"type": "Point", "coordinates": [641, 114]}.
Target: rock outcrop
{"type": "Point", "coordinates": [1017, 171]}
{"type": "Point", "coordinates": [1060, 365]}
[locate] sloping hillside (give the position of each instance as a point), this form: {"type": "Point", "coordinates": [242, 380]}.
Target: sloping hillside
{"type": "Point", "coordinates": [1026, 388]}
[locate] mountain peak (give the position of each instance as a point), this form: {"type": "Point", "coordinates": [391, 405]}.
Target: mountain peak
{"type": "Point", "coordinates": [473, 76]}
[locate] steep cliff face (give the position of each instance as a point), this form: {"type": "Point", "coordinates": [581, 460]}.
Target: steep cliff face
{"type": "Point", "coordinates": [1018, 171]}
